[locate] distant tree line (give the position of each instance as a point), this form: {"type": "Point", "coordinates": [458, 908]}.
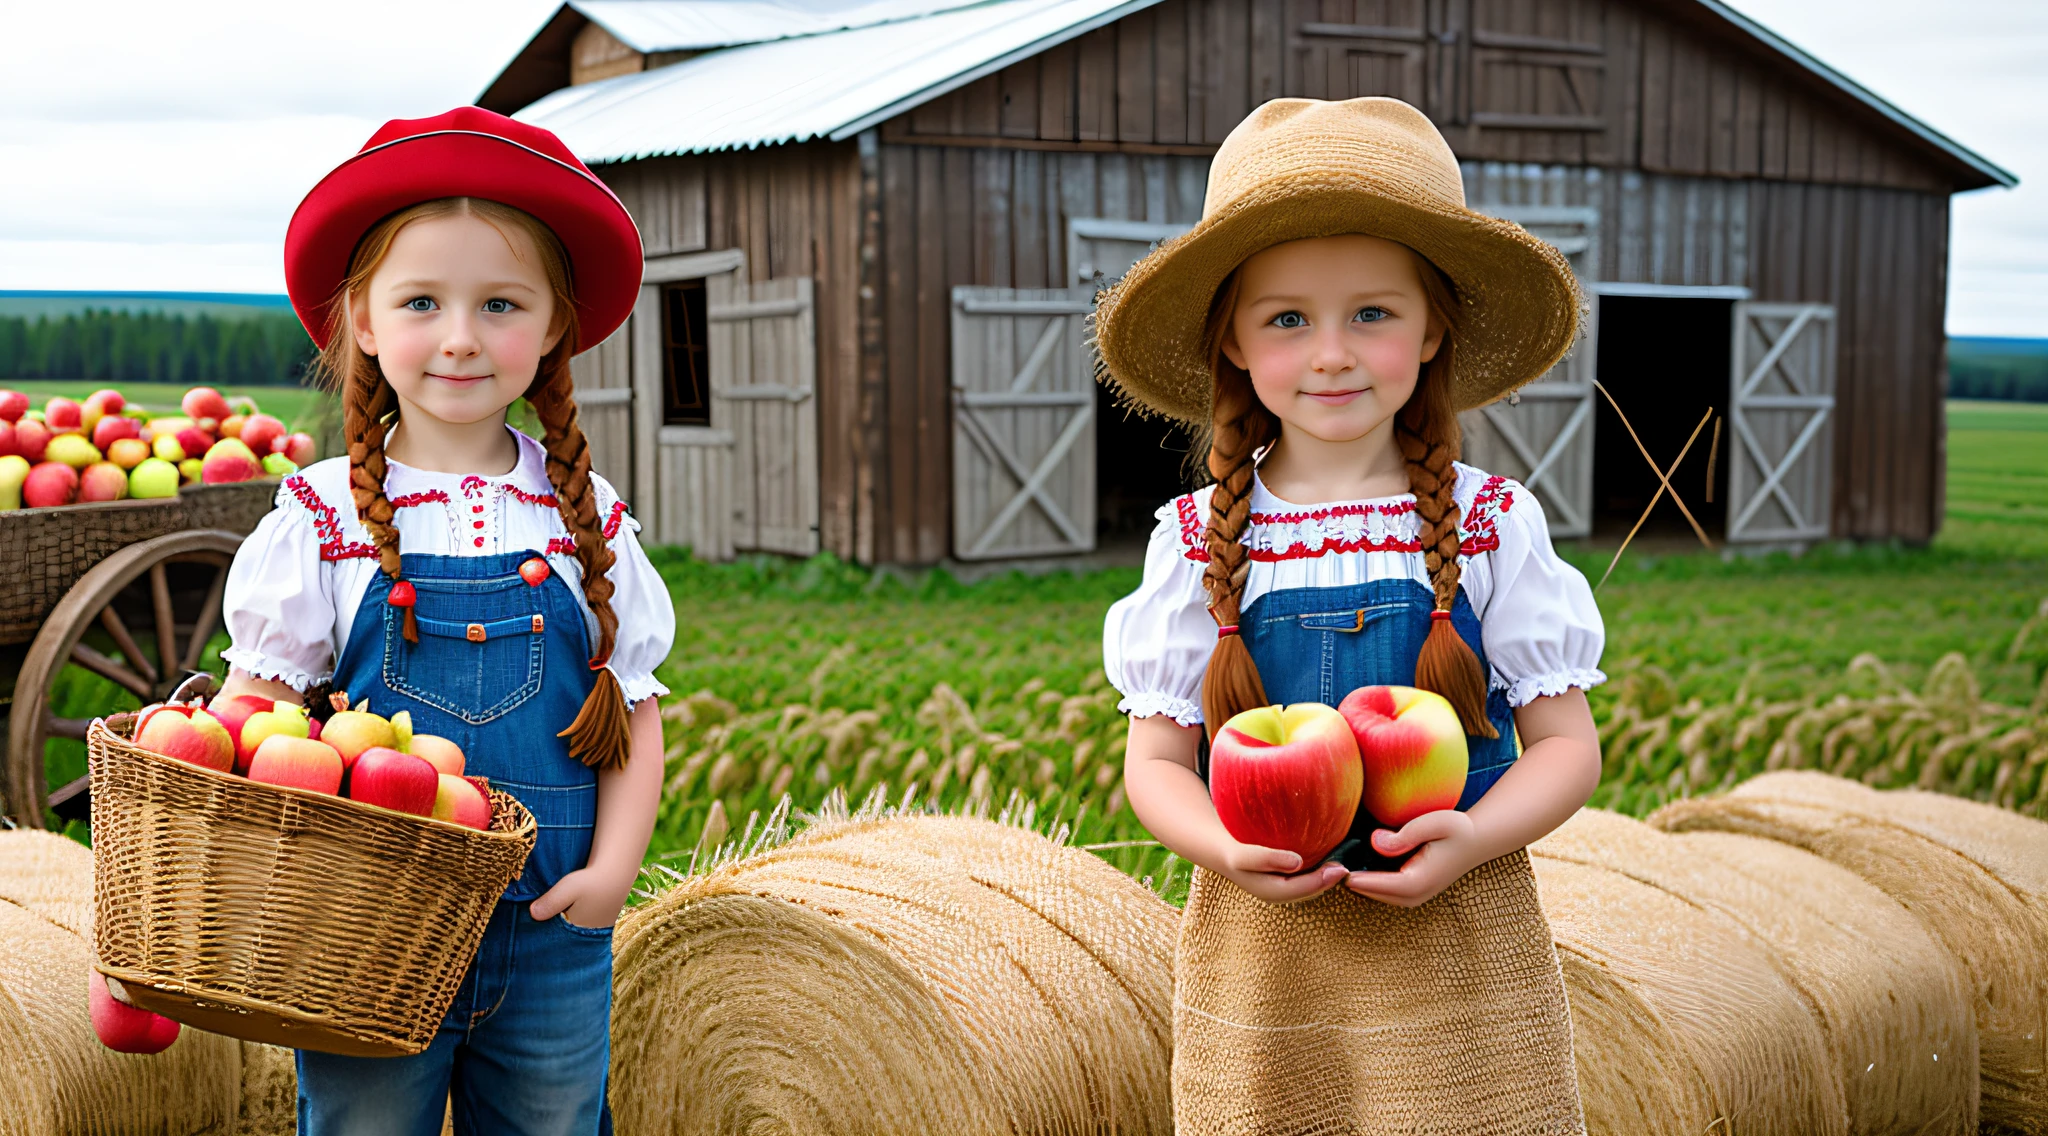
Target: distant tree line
{"type": "Point", "coordinates": [123, 346]}
{"type": "Point", "coordinates": [2008, 378]}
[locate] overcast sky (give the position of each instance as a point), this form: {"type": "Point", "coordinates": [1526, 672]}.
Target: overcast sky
{"type": "Point", "coordinates": [162, 146]}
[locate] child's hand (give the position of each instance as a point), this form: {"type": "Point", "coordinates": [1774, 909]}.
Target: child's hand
{"type": "Point", "coordinates": [1449, 848]}
{"type": "Point", "coordinates": [587, 897]}
{"type": "Point", "coordinates": [1265, 873]}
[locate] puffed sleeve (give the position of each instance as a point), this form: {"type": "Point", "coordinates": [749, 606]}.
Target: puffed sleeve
{"type": "Point", "coordinates": [278, 604]}
{"type": "Point", "coordinates": [647, 616]}
{"type": "Point", "coordinates": [1543, 632]}
{"type": "Point", "coordinates": [1156, 641]}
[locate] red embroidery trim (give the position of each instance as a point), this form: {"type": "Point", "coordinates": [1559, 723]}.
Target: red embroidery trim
{"type": "Point", "coordinates": [471, 484]}
{"type": "Point", "coordinates": [1362, 544]}
{"type": "Point", "coordinates": [1393, 509]}
{"type": "Point", "coordinates": [566, 545]}
{"type": "Point", "coordinates": [611, 523]}
{"type": "Point", "coordinates": [474, 485]}
{"type": "Point", "coordinates": [1480, 526]}
{"type": "Point", "coordinates": [411, 499]}
{"type": "Point", "coordinates": [333, 544]}
{"type": "Point", "coordinates": [1482, 533]}
{"type": "Point", "coordinates": [1191, 528]}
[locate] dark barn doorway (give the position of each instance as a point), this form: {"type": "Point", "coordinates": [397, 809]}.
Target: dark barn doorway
{"type": "Point", "coordinates": [1665, 360]}
{"type": "Point", "coordinates": [1140, 464]}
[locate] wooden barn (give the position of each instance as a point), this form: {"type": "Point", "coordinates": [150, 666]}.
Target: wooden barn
{"type": "Point", "coordinates": [873, 229]}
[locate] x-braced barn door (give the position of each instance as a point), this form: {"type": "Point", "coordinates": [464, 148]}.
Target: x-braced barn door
{"type": "Point", "coordinates": [1023, 423]}
{"type": "Point", "coordinates": [1782, 397]}
{"type": "Point", "coordinates": [1542, 436]}
{"type": "Point", "coordinates": [764, 363]}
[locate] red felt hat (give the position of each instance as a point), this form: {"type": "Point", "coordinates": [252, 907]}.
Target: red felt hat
{"type": "Point", "coordinates": [467, 152]}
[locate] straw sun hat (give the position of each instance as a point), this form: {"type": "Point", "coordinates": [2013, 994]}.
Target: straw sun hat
{"type": "Point", "coordinates": [1300, 168]}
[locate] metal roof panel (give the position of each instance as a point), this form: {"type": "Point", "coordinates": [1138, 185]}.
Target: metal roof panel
{"type": "Point", "coordinates": [683, 25]}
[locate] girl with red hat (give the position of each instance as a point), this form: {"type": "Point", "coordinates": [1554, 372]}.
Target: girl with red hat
{"type": "Point", "coordinates": [487, 583]}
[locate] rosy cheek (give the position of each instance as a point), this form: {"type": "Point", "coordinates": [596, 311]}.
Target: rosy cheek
{"type": "Point", "coordinates": [1391, 359]}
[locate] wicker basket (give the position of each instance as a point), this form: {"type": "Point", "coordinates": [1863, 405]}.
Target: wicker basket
{"type": "Point", "coordinates": [282, 915]}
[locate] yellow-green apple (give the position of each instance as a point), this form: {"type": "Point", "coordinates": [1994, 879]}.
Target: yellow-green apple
{"type": "Point", "coordinates": [259, 432]}
{"type": "Point", "coordinates": [401, 728]}
{"type": "Point", "coordinates": [13, 471]}
{"type": "Point", "coordinates": [384, 776]}
{"type": "Point", "coordinates": [231, 426]}
{"type": "Point", "coordinates": [128, 452]}
{"type": "Point", "coordinates": [31, 439]}
{"type": "Point", "coordinates": [441, 753]}
{"type": "Point", "coordinates": [1286, 778]}
{"type": "Point", "coordinates": [49, 483]}
{"type": "Point", "coordinates": [204, 402]}
{"type": "Point", "coordinates": [112, 428]}
{"type": "Point", "coordinates": [190, 469]}
{"type": "Point", "coordinates": [102, 481]}
{"type": "Point", "coordinates": [13, 404]}
{"type": "Point", "coordinates": [153, 477]}
{"type": "Point", "coordinates": [282, 719]}
{"type": "Point", "coordinates": [462, 801]}
{"type": "Point", "coordinates": [300, 762]}
{"type": "Point", "coordinates": [73, 450]}
{"type": "Point", "coordinates": [278, 465]}
{"type": "Point", "coordinates": [121, 1027]}
{"type": "Point", "coordinates": [230, 461]}
{"type": "Point", "coordinates": [166, 446]}
{"type": "Point", "coordinates": [186, 733]}
{"type": "Point", "coordinates": [62, 414]}
{"type": "Point", "coordinates": [1413, 749]}
{"type": "Point", "coordinates": [354, 732]}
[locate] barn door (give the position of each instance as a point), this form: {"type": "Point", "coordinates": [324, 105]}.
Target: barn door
{"type": "Point", "coordinates": [1023, 423]}
{"type": "Point", "coordinates": [1101, 250]}
{"type": "Point", "coordinates": [1542, 436]}
{"type": "Point", "coordinates": [764, 362]}
{"type": "Point", "coordinates": [1782, 396]}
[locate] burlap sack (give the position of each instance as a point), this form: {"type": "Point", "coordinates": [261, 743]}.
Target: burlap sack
{"type": "Point", "coordinates": [1976, 876]}
{"type": "Point", "coordinates": [1345, 1014]}
{"type": "Point", "coordinates": [1890, 1001]}
{"type": "Point", "coordinates": [897, 976]}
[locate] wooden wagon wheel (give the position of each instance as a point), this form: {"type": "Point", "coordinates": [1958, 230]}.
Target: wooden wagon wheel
{"type": "Point", "coordinates": [168, 589]}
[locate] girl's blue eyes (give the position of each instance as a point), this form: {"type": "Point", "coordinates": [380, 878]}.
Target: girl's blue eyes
{"type": "Point", "coordinates": [1290, 321]}
{"type": "Point", "coordinates": [420, 304]}
{"type": "Point", "coordinates": [497, 307]}
{"type": "Point", "coordinates": [491, 307]}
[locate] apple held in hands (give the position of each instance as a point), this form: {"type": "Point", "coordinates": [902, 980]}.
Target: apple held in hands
{"type": "Point", "coordinates": [1286, 778]}
{"type": "Point", "coordinates": [296, 761]}
{"type": "Point", "coordinates": [1413, 750]}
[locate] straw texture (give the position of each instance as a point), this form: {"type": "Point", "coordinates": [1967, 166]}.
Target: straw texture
{"type": "Point", "coordinates": [286, 916]}
{"type": "Point", "coordinates": [1300, 168]}
{"type": "Point", "coordinates": [896, 976]}
{"type": "Point", "coordinates": [1976, 876]}
{"type": "Point", "coordinates": [1345, 1014]}
{"type": "Point", "coordinates": [1887, 997]}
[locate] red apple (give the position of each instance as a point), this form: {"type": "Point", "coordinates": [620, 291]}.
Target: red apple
{"type": "Point", "coordinates": [259, 431]}
{"type": "Point", "coordinates": [121, 1027]}
{"type": "Point", "coordinates": [186, 733]}
{"type": "Point", "coordinates": [49, 483]}
{"type": "Point", "coordinates": [234, 713]}
{"type": "Point", "coordinates": [299, 762]}
{"type": "Point", "coordinates": [7, 445]}
{"type": "Point", "coordinates": [299, 447]}
{"type": "Point", "coordinates": [229, 461]}
{"type": "Point", "coordinates": [384, 776]}
{"type": "Point", "coordinates": [282, 719]}
{"type": "Point", "coordinates": [462, 801]}
{"type": "Point", "coordinates": [112, 428]}
{"type": "Point", "coordinates": [205, 402]}
{"type": "Point", "coordinates": [62, 415]}
{"type": "Point", "coordinates": [354, 732]}
{"type": "Point", "coordinates": [102, 481]}
{"type": "Point", "coordinates": [1286, 778]}
{"type": "Point", "coordinates": [97, 406]}
{"type": "Point", "coordinates": [1413, 750]}
{"type": "Point", "coordinates": [13, 404]}
{"type": "Point", "coordinates": [313, 728]}
{"type": "Point", "coordinates": [441, 753]}
{"type": "Point", "coordinates": [31, 438]}
{"type": "Point", "coordinates": [194, 441]}
{"type": "Point", "coordinates": [126, 452]}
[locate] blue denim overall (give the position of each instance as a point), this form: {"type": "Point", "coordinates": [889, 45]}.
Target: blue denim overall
{"type": "Point", "coordinates": [500, 667]}
{"type": "Point", "coordinates": [1320, 644]}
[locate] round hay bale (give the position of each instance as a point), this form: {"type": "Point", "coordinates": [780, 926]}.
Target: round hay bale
{"type": "Point", "coordinates": [55, 1076]}
{"type": "Point", "coordinates": [1681, 1025]}
{"type": "Point", "coordinates": [1890, 1000]}
{"type": "Point", "coordinates": [1975, 875]}
{"type": "Point", "coordinates": [894, 976]}
{"type": "Point", "coordinates": [270, 1091]}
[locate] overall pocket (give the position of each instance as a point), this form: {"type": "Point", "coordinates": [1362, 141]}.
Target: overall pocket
{"type": "Point", "coordinates": [480, 654]}
{"type": "Point", "coordinates": [565, 815]}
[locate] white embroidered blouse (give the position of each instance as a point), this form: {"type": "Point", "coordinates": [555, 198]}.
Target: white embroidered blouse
{"type": "Point", "coordinates": [292, 594]}
{"type": "Point", "coordinates": [1538, 623]}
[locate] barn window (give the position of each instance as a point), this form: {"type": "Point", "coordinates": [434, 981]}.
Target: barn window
{"type": "Point", "coordinates": [685, 369]}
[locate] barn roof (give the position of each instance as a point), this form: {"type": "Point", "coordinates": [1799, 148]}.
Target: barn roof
{"type": "Point", "coordinates": [793, 70]}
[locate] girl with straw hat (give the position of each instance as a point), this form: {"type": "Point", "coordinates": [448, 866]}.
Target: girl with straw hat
{"type": "Point", "coordinates": [1322, 326]}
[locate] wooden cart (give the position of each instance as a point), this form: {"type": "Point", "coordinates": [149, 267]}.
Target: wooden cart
{"type": "Point", "coordinates": [130, 590]}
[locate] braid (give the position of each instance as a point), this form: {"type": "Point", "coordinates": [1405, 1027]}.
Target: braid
{"type": "Point", "coordinates": [1240, 427]}
{"type": "Point", "coordinates": [599, 736]}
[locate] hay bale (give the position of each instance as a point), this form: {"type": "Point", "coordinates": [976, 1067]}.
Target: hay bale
{"type": "Point", "coordinates": [270, 1091]}
{"type": "Point", "coordinates": [1976, 876]}
{"type": "Point", "coordinates": [1889, 999]}
{"type": "Point", "coordinates": [1681, 1024]}
{"type": "Point", "coordinates": [895, 976]}
{"type": "Point", "coordinates": [55, 1077]}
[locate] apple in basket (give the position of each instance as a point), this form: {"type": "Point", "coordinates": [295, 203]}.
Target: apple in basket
{"type": "Point", "coordinates": [463, 800]}
{"type": "Point", "coordinates": [384, 776]}
{"type": "Point", "coordinates": [186, 733]}
{"type": "Point", "coordinates": [302, 763]}
{"type": "Point", "coordinates": [1286, 778]}
{"type": "Point", "coordinates": [236, 712]}
{"type": "Point", "coordinates": [121, 1027]}
{"type": "Point", "coordinates": [280, 719]}
{"type": "Point", "coordinates": [1413, 749]}
{"type": "Point", "coordinates": [445, 756]}
{"type": "Point", "coordinates": [355, 732]}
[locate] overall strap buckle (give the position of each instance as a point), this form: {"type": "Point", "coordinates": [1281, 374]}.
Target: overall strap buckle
{"type": "Point", "coordinates": [476, 633]}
